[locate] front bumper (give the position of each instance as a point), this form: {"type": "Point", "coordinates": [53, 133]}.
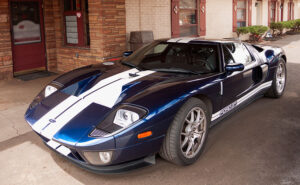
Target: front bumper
{"type": "Point", "coordinates": [113, 169]}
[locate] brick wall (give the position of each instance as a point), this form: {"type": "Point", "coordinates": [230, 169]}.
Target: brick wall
{"type": "Point", "coordinates": [107, 34]}
{"type": "Point", "coordinates": [154, 15]}
{"type": "Point", "coordinates": [6, 68]}
{"type": "Point", "coordinates": [50, 38]}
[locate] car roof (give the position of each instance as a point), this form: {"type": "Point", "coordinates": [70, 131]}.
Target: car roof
{"type": "Point", "coordinates": [198, 39]}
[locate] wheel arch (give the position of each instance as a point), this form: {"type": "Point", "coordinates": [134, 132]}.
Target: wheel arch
{"type": "Point", "coordinates": [284, 58]}
{"type": "Point", "coordinates": [207, 102]}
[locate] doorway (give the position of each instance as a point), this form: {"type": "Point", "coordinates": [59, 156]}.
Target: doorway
{"type": "Point", "coordinates": [28, 40]}
{"type": "Point", "coordinates": [258, 6]}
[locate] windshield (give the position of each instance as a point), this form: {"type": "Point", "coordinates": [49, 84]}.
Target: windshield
{"type": "Point", "coordinates": [176, 57]}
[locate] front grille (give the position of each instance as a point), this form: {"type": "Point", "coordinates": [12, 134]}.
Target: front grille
{"type": "Point", "coordinates": [76, 155]}
{"type": "Point", "coordinates": [98, 133]}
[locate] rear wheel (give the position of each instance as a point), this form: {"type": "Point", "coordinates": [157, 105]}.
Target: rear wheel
{"type": "Point", "coordinates": [279, 81]}
{"type": "Point", "coordinates": [186, 137]}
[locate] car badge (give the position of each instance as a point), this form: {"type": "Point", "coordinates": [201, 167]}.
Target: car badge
{"type": "Point", "coordinates": [52, 121]}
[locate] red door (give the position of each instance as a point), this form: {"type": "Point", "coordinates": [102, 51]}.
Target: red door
{"type": "Point", "coordinates": [28, 41]}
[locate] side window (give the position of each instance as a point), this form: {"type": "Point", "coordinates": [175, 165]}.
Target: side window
{"type": "Point", "coordinates": [254, 52]}
{"type": "Point", "coordinates": [227, 56]}
{"type": "Point", "coordinates": [205, 57]}
{"type": "Point", "coordinates": [239, 52]}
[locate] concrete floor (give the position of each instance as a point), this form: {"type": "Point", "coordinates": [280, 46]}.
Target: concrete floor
{"type": "Point", "coordinates": [257, 145]}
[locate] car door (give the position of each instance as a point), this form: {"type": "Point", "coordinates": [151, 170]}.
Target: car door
{"type": "Point", "coordinates": [237, 84]}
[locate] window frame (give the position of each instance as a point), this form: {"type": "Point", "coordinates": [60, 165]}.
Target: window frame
{"type": "Point", "coordinates": [245, 14]}
{"type": "Point", "coordinates": [248, 14]}
{"type": "Point", "coordinates": [83, 38]}
{"type": "Point", "coordinates": [273, 10]}
{"type": "Point", "coordinates": [200, 17]}
{"type": "Point", "coordinates": [291, 8]}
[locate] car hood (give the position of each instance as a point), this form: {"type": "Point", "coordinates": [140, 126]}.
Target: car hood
{"type": "Point", "coordinates": [86, 96]}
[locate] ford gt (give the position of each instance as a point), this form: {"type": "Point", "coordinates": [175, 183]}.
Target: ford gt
{"type": "Point", "coordinates": [161, 99]}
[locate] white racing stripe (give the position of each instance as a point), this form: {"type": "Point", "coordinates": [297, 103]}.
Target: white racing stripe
{"type": "Point", "coordinates": [64, 150]}
{"type": "Point", "coordinates": [44, 121]}
{"type": "Point", "coordinates": [106, 96]}
{"type": "Point", "coordinates": [241, 100]}
{"type": "Point", "coordinates": [59, 148]}
{"type": "Point", "coordinates": [53, 144]}
{"type": "Point", "coordinates": [182, 39]}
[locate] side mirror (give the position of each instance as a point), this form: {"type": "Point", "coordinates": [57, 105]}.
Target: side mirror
{"type": "Point", "coordinates": [127, 53]}
{"type": "Point", "coordinates": [234, 67]}
{"type": "Point", "coordinates": [269, 54]}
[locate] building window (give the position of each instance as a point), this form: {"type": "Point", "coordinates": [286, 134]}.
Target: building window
{"type": "Point", "coordinates": [188, 17]}
{"type": "Point", "coordinates": [281, 10]}
{"type": "Point", "coordinates": [76, 23]}
{"type": "Point", "coordinates": [241, 13]}
{"type": "Point", "coordinates": [291, 10]}
{"type": "Point", "coordinates": [273, 11]}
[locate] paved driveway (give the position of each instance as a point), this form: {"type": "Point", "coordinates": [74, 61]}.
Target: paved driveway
{"type": "Point", "coordinates": [258, 145]}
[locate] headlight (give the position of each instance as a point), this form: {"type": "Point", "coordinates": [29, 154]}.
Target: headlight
{"type": "Point", "coordinates": [120, 119]}
{"type": "Point", "coordinates": [125, 118]}
{"type": "Point", "coordinates": [47, 91]}
{"type": "Point", "coordinates": [50, 90]}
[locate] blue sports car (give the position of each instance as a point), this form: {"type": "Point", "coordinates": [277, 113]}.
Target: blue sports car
{"type": "Point", "coordinates": [161, 99]}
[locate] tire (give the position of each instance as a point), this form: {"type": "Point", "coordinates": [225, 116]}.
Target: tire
{"type": "Point", "coordinates": [171, 149]}
{"type": "Point", "coordinates": [279, 81]}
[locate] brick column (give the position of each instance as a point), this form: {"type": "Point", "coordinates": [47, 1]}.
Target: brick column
{"type": "Point", "coordinates": [50, 38]}
{"type": "Point", "coordinates": [6, 64]}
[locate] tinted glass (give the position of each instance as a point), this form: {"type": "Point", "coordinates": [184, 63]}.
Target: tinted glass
{"type": "Point", "coordinates": [239, 53]}
{"type": "Point", "coordinates": [163, 55]}
{"type": "Point", "coordinates": [205, 57]}
{"type": "Point", "coordinates": [227, 56]}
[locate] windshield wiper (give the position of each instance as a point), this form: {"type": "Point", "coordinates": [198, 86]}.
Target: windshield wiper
{"type": "Point", "coordinates": [128, 64]}
{"type": "Point", "coordinates": [175, 70]}
{"type": "Point", "coordinates": [131, 65]}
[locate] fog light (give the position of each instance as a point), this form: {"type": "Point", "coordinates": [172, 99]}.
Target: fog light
{"type": "Point", "coordinates": [105, 157]}
{"type": "Point", "coordinates": [98, 158]}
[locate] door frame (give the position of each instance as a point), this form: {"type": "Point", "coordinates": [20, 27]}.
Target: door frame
{"type": "Point", "coordinates": [43, 35]}
{"type": "Point", "coordinates": [258, 9]}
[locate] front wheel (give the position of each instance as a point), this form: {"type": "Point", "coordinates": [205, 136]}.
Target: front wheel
{"type": "Point", "coordinates": [279, 81]}
{"type": "Point", "coordinates": [186, 137]}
